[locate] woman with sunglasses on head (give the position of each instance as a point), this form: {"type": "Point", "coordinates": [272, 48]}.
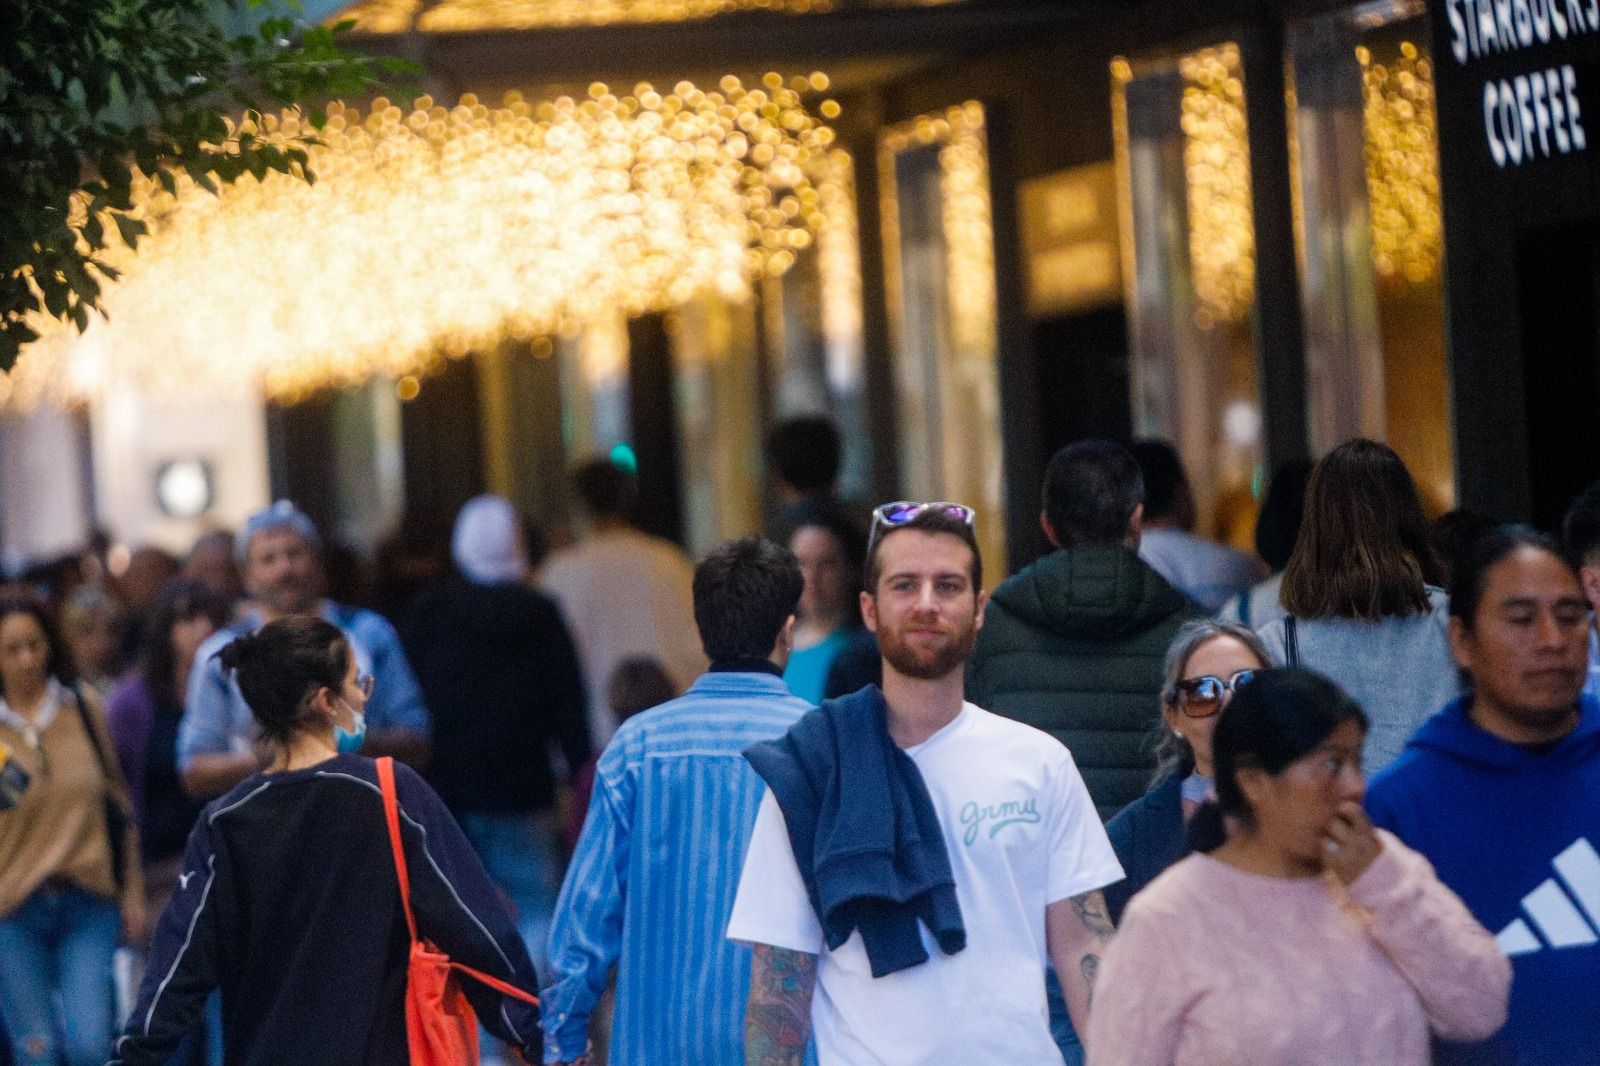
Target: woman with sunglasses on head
{"type": "Point", "coordinates": [70, 888]}
{"type": "Point", "coordinates": [1207, 662]}
{"type": "Point", "coordinates": [1297, 933]}
{"type": "Point", "coordinates": [289, 902]}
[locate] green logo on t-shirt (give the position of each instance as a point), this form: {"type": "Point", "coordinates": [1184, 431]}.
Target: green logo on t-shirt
{"type": "Point", "coordinates": [996, 816]}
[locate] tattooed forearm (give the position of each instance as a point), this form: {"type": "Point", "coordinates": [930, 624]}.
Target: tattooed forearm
{"type": "Point", "coordinates": [777, 1018]}
{"type": "Point", "coordinates": [1091, 911]}
{"type": "Point", "coordinates": [1089, 966]}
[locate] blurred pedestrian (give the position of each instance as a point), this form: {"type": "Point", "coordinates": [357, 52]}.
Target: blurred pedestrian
{"type": "Point", "coordinates": [1452, 533]}
{"type": "Point", "coordinates": [804, 455]}
{"type": "Point", "coordinates": [1581, 534]}
{"type": "Point", "coordinates": [144, 713]}
{"type": "Point", "coordinates": [277, 550]}
{"type": "Point", "coordinates": [288, 903]}
{"type": "Point", "coordinates": [830, 549]}
{"type": "Point", "coordinates": [651, 886]}
{"type": "Point", "coordinates": [1074, 643]}
{"type": "Point", "coordinates": [916, 859]}
{"type": "Point", "coordinates": [70, 885]}
{"type": "Point", "coordinates": [1362, 597]}
{"type": "Point", "coordinates": [211, 560]}
{"type": "Point", "coordinates": [622, 592]}
{"type": "Point", "coordinates": [1297, 932]}
{"type": "Point", "coordinates": [502, 684]}
{"type": "Point", "coordinates": [1207, 572]}
{"type": "Point", "coordinates": [1206, 664]}
{"type": "Point", "coordinates": [1277, 529]}
{"type": "Point", "coordinates": [636, 686]}
{"type": "Point", "coordinates": [1501, 791]}
{"type": "Point", "coordinates": [141, 581]}
{"type": "Point", "coordinates": [92, 621]}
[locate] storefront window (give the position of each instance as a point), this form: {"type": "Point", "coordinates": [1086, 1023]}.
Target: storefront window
{"type": "Point", "coordinates": [939, 252]}
{"type": "Point", "coordinates": [1364, 146]}
{"type": "Point", "coordinates": [1183, 158]}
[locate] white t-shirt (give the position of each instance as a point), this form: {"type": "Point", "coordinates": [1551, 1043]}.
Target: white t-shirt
{"type": "Point", "coordinates": [1022, 833]}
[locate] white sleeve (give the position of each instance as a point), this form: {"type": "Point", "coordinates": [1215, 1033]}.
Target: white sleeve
{"type": "Point", "coordinates": [772, 907]}
{"type": "Point", "coordinates": [1081, 856]}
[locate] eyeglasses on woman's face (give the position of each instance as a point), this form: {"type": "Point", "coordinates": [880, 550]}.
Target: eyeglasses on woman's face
{"type": "Point", "coordinates": [1202, 697]}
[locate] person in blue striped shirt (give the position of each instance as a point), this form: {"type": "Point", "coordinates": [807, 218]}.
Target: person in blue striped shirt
{"type": "Point", "coordinates": [651, 885]}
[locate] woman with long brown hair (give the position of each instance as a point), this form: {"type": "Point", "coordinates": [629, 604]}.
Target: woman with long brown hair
{"type": "Point", "coordinates": [1364, 598]}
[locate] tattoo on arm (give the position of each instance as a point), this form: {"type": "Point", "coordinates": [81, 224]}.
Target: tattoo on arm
{"type": "Point", "coordinates": [778, 1015]}
{"type": "Point", "coordinates": [1089, 966]}
{"type": "Point", "coordinates": [1090, 909]}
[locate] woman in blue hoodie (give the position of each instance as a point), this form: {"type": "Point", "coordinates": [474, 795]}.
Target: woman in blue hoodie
{"type": "Point", "coordinates": [1500, 790]}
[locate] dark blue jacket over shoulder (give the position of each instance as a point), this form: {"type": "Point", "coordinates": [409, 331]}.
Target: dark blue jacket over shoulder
{"type": "Point", "coordinates": [864, 831]}
{"type": "Point", "coordinates": [1148, 835]}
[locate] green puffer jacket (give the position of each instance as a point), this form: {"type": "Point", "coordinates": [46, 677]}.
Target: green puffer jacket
{"type": "Point", "coordinates": [1073, 645]}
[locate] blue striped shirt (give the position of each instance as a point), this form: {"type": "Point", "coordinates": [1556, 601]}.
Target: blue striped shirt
{"type": "Point", "coordinates": [651, 885]}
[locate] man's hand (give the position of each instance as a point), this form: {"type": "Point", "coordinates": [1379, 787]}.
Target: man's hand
{"type": "Point", "coordinates": [1077, 932]}
{"type": "Point", "coordinates": [777, 1020]}
{"type": "Point", "coordinates": [1349, 843]}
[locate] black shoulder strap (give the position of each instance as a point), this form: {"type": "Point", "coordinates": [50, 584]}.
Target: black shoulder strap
{"type": "Point", "coordinates": [1291, 642]}
{"type": "Point", "coordinates": [94, 734]}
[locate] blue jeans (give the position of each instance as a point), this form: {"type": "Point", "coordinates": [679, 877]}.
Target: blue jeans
{"type": "Point", "coordinates": [1066, 1037]}
{"type": "Point", "coordinates": [521, 855]}
{"type": "Point", "coordinates": [55, 980]}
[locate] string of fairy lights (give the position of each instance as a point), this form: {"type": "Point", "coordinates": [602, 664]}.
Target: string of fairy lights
{"type": "Point", "coordinates": [435, 231]}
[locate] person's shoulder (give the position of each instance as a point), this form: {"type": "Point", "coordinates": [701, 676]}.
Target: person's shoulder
{"type": "Point", "coordinates": [1175, 895]}
{"type": "Point", "coordinates": [1017, 737]}
{"type": "Point", "coordinates": [365, 623]}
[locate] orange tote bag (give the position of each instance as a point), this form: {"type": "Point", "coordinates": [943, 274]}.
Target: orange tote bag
{"type": "Point", "coordinates": [440, 1024]}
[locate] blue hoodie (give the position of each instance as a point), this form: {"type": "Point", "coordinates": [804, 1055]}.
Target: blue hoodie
{"type": "Point", "coordinates": [1517, 836]}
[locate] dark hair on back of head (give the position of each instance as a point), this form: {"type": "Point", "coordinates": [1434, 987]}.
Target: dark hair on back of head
{"type": "Point", "coordinates": [1472, 571]}
{"type": "Point", "coordinates": [1363, 550]}
{"type": "Point", "coordinates": [805, 451]}
{"type": "Point", "coordinates": [1453, 533]}
{"type": "Point", "coordinates": [744, 590]}
{"type": "Point", "coordinates": [1164, 477]}
{"type": "Point", "coordinates": [179, 600]}
{"type": "Point", "coordinates": [1090, 490]}
{"type": "Point", "coordinates": [281, 665]}
{"type": "Point", "coordinates": [58, 660]}
{"type": "Point", "coordinates": [1581, 527]}
{"type": "Point", "coordinates": [605, 489]}
{"type": "Point", "coordinates": [638, 684]}
{"type": "Point", "coordinates": [926, 522]}
{"type": "Point", "coordinates": [1282, 507]}
{"type": "Point", "coordinates": [1276, 719]}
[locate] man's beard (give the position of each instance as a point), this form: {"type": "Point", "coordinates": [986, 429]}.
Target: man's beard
{"type": "Point", "coordinates": [928, 664]}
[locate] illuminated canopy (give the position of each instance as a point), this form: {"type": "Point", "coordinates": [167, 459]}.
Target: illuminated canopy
{"type": "Point", "coordinates": [436, 231]}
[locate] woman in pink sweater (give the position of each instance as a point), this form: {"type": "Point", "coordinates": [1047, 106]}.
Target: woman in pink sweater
{"type": "Point", "coordinates": [1296, 933]}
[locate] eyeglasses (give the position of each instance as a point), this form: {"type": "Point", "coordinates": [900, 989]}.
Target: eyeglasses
{"type": "Point", "coordinates": [365, 683]}
{"type": "Point", "coordinates": [901, 512]}
{"type": "Point", "coordinates": [1202, 697]}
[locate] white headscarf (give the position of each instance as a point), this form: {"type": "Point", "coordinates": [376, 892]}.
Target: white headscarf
{"type": "Point", "coordinates": [487, 545]}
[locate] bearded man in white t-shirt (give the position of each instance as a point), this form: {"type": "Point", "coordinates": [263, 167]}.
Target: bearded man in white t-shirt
{"type": "Point", "coordinates": [1026, 847]}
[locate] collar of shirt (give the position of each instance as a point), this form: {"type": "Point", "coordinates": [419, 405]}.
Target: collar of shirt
{"type": "Point", "coordinates": [744, 664]}
{"type": "Point", "coordinates": [49, 707]}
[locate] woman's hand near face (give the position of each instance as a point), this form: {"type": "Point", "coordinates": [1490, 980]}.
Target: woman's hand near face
{"type": "Point", "coordinates": [1349, 843]}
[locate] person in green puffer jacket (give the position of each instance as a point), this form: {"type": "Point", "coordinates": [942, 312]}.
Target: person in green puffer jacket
{"type": "Point", "coordinates": [1073, 644]}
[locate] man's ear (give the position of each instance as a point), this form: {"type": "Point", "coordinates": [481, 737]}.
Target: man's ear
{"type": "Point", "coordinates": [1049, 530]}
{"type": "Point", "coordinates": [1460, 643]}
{"type": "Point", "coordinates": [1136, 526]}
{"type": "Point", "coordinates": [1590, 576]}
{"type": "Point", "coordinates": [869, 612]}
{"type": "Point", "coordinates": [983, 604]}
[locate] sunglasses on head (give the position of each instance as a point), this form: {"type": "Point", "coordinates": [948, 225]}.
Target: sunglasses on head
{"type": "Point", "coordinates": [1201, 697]}
{"type": "Point", "coordinates": [901, 512]}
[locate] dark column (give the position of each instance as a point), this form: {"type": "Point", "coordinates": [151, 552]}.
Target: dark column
{"type": "Point", "coordinates": [301, 456]}
{"type": "Point", "coordinates": [653, 410]}
{"type": "Point", "coordinates": [441, 442]}
{"type": "Point", "coordinates": [878, 370]}
{"type": "Point", "coordinates": [1279, 333]}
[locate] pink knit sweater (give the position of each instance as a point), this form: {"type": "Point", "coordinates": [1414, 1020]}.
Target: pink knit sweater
{"type": "Point", "coordinates": [1214, 966]}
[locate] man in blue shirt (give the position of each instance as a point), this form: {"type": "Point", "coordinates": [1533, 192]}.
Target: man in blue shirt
{"type": "Point", "coordinates": [279, 555]}
{"type": "Point", "coordinates": [651, 885]}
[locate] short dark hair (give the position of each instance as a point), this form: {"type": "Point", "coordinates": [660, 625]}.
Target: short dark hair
{"type": "Point", "coordinates": [179, 600]}
{"type": "Point", "coordinates": [605, 489]}
{"type": "Point", "coordinates": [1164, 477]}
{"type": "Point", "coordinates": [744, 590]}
{"type": "Point", "coordinates": [638, 684]}
{"type": "Point", "coordinates": [281, 665]}
{"type": "Point", "coordinates": [1090, 490]}
{"type": "Point", "coordinates": [1363, 550]}
{"type": "Point", "coordinates": [805, 451]}
{"type": "Point", "coordinates": [58, 660]}
{"type": "Point", "coordinates": [1581, 528]}
{"type": "Point", "coordinates": [926, 522]}
{"type": "Point", "coordinates": [1275, 719]}
{"type": "Point", "coordinates": [1283, 505]}
{"type": "Point", "coordinates": [1480, 556]}
{"type": "Point", "coordinates": [1453, 533]}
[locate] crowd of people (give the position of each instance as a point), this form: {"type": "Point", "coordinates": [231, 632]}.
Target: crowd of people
{"type": "Point", "coordinates": [820, 797]}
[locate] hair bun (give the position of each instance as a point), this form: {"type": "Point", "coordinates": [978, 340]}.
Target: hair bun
{"type": "Point", "coordinates": [237, 651]}
{"type": "Point", "coordinates": [1207, 830]}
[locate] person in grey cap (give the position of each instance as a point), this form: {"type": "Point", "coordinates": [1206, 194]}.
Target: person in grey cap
{"type": "Point", "coordinates": [278, 552]}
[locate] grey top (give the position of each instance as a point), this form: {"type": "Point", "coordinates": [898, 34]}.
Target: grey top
{"type": "Point", "coordinates": [1399, 669]}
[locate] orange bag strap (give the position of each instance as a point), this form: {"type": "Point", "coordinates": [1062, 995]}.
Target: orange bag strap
{"type": "Point", "coordinates": [391, 815]}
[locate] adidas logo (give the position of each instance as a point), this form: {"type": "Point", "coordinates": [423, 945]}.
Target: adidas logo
{"type": "Point", "coordinates": [1554, 910]}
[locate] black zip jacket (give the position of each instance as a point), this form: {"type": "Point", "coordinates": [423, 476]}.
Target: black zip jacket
{"type": "Point", "coordinates": [289, 904]}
